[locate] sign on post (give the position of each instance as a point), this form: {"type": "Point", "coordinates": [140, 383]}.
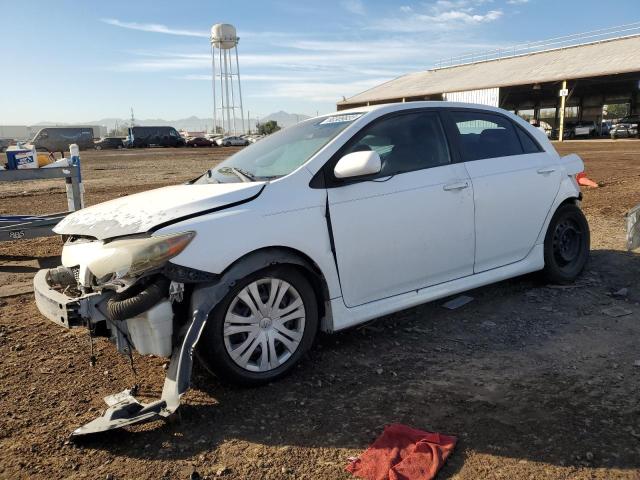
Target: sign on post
{"type": "Point", "coordinates": [564, 92]}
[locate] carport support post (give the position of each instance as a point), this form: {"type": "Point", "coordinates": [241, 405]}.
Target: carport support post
{"type": "Point", "coordinates": [562, 101]}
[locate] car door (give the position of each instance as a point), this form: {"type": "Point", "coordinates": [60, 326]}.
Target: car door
{"type": "Point", "coordinates": [514, 184]}
{"type": "Point", "coordinates": [582, 129]}
{"type": "Point", "coordinates": [411, 225]}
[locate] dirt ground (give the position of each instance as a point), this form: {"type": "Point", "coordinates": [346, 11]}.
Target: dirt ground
{"type": "Point", "coordinates": [536, 381]}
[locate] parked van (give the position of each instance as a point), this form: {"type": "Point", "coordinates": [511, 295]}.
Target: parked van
{"type": "Point", "coordinates": [58, 139]}
{"type": "Point", "coordinates": [141, 137]}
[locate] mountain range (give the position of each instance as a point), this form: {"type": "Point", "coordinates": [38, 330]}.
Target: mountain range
{"type": "Point", "coordinates": [193, 123]}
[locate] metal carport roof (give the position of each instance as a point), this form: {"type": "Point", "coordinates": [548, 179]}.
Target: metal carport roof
{"type": "Point", "coordinates": [606, 57]}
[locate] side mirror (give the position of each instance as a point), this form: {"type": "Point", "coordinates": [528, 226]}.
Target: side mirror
{"type": "Point", "coordinates": [358, 164]}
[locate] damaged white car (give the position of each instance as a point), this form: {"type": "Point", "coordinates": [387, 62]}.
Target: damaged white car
{"type": "Point", "coordinates": [321, 226]}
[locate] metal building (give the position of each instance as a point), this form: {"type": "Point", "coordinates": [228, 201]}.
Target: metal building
{"type": "Point", "coordinates": [530, 79]}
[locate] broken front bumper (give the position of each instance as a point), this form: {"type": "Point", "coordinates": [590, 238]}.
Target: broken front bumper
{"type": "Point", "coordinates": [62, 309]}
{"type": "Point", "coordinates": [122, 408]}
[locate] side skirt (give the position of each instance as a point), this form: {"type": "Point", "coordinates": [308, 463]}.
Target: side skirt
{"type": "Point", "coordinates": [344, 317]}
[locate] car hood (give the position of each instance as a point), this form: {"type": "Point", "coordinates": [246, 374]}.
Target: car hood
{"type": "Point", "coordinates": [141, 212]}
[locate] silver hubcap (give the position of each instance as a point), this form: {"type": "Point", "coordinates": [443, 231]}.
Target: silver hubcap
{"type": "Point", "coordinates": [264, 324]}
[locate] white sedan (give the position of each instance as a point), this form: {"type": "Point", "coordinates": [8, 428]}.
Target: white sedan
{"type": "Point", "coordinates": [322, 226]}
{"type": "Point", "coordinates": [232, 141]}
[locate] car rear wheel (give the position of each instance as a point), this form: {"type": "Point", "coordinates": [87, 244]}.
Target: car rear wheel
{"type": "Point", "coordinates": [262, 328]}
{"type": "Point", "coordinates": [566, 245]}
{"type": "Point", "coordinates": [98, 147]}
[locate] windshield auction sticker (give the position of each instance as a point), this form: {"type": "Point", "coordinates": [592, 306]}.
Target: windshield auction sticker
{"type": "Point", "coordinates": [341, 118]}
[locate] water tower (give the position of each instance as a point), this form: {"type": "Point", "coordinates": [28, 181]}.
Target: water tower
{"type": "Point", "coordinates": [227, 92]}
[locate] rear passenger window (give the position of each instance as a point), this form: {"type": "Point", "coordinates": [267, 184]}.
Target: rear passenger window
{"type": "Point", "coordinates": [528, 144]}
{"type": "Point", "coordinates": [485, 135]}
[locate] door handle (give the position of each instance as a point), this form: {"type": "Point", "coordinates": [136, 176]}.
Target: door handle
{"type": "Point", "coordinates": [456, 186]}
{"type": "Point", "coordinates": [544, 171]}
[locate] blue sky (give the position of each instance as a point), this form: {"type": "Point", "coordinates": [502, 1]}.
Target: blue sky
{"type": "Point", "coordinates": [72, 61]}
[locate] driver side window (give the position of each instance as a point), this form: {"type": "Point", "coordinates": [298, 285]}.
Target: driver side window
{"type": "Point", "coordinates": [405, 142]}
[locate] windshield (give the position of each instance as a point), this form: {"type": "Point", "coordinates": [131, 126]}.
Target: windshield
{"type": "Point", "coordinates": [281, 153]}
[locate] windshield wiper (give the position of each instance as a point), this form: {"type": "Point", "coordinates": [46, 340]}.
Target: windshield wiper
{"type": "Point", "coordinates": [243, 175]}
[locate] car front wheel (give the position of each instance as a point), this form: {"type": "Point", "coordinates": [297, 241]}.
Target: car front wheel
{"type": "Point", "coordinates": [566, 245]}
{"type": "Point", "coordinates": [262, 328]}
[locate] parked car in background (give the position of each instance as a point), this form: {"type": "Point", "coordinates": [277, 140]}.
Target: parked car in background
{"type": "Point", "coordinates": [232, 141]}
{"type": "Point", "coordinates": [255, 138]}
{"type": "Point", "coordinates": [543, 127]}
{"type": "Point", "coordinates": [342, 218]}
{"type": "Point", "coordinates": [142, 137]}
{"type": "Point", "coordinates": [108, 143]}
{"type": "Point", "coordinates": [626, 127]}
{"type": "Point", "coordinates": [605, 127]}
{"type": "Point", "coordinates": [577, 129]}
{"type": "Point", "coordinates": [58, 139]}
{"type": "Point", "coordinates": [199, 142]}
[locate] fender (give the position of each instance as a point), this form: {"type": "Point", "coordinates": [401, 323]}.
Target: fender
{"type": "Point", "coordinates": [569, 190]}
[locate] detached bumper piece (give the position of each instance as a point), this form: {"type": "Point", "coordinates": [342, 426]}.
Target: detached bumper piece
{"type": "Point", "coordinates": [633, 228]}
{"type": "Point", "coordinates": [123, 409]}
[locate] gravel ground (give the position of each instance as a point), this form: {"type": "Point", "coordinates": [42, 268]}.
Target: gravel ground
{"type": "Point", "coordinates": [536, 381]}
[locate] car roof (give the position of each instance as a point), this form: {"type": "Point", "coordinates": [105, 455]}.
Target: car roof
{"type": "Point", "coordinates": [399, 106]}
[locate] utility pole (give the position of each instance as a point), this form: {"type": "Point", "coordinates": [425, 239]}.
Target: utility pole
{"type": "Point", "coordinates": [563, 96]}
{"type": "Point", "coordinates": [132, 118]}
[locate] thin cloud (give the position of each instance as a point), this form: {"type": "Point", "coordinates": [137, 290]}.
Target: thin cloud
{"type": "Point", "coordinates": [154, 28]}
{"type": "Point", "coordinates": [442, 15]}
{"type": "Point", "coordinates": [354, 6]}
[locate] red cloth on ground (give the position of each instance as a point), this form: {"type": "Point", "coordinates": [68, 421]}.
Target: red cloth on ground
{"type": "Point", "coordinates": [403, 453]}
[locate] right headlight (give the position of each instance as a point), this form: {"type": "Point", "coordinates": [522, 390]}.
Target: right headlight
{"type": "Point", "coordinates": [133, 256]}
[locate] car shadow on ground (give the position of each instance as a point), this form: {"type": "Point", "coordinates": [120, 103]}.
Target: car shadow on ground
{"type": "Point", "coordinates": [526, 371]}
{"type": "Point", "coordinates": [26, 264]}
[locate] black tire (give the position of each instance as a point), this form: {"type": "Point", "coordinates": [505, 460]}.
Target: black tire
{"type": "Point", "coordinates": [227, 144]}
{"type": "Point", "coordinates": [566, 245]}
{"type": "Point", "coordinates": [98, 147]}
{"type": "Point", "coordinates": [212, 350]}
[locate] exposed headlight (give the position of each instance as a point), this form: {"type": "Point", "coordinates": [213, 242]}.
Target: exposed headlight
{"type": "Point", "coordinates": [135, 255]}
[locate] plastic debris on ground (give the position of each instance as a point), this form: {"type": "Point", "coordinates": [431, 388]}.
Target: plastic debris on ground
{"type": "Point", "coordinates": [585, 181]}
{"type": "Point", "coordinates": [457, 302]}
{"type": "Point", "coordinates": [617, 311]}
{"type": "Point", "coordinates": [403, 453]}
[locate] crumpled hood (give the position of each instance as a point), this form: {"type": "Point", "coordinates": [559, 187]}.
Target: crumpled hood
{"type": "Point", "coordinates": [141, 212]}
